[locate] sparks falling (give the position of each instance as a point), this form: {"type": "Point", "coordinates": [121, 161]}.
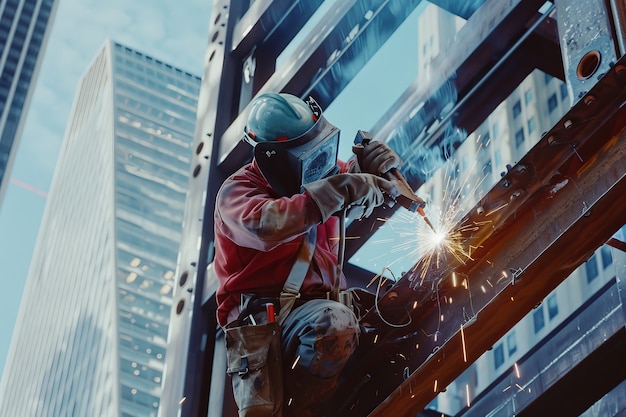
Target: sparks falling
{"type": "Point", "coordinates": [444, 240]}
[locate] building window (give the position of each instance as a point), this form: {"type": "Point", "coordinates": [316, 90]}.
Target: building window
{"type": "Point", "coordinates": [517, 109]}
{"type": "Point", "coordinates": [547, 78]}
{"type": "Point", "coordinates": [552, 103]}
{"type": "Point", "coordinates": [564, 94]}
{"type": "Point", "coordinates": [485, 140]}
{"type": "Point", "coordinates": [498, 355]}
{"type": "Point", "coordinates": [487, 169]}
{"type": "Point", "coordinates": [496, 130]}
{"type": "Point", "coordinates": [607, 257]}
{"type": "Point", "coordinates": [528, 96]}
{"type": "Point", "coordinates": [591, 268]}
{"type": "Point", "coordinates": [511, 343]}
{"type": "Point", "coordinates": [532, 125]}
{"type": "Point", "coordinates": [519, 137]}
{"type": "Point", "coordinates": [553, 306]}
{"type": "Point", "coordinates": [538, 319]}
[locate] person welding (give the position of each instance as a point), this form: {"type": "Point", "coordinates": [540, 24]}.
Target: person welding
{"type": "Point", "coordinates": [277, 229]}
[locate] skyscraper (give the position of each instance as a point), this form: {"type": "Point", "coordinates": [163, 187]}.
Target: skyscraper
{"type": "Point", "coordinates": [90, 339]}
{"type": "Point", "coordinates": [24, 29]}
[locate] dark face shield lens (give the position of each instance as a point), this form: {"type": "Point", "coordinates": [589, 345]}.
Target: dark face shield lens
{"type": "Point", "coordinates": [290, 164]}
{"type": "Point", "coordinates": [321, 160]}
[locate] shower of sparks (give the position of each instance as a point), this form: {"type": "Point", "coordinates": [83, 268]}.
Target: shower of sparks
{"type": "Point", "coordinates": [517, 371]}
{"type": "Point", "coordinates": [467, 395]}
{"type": "Point", "coordinates": [448, 242]}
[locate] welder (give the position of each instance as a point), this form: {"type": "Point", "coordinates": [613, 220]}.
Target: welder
{"type": "Point", "coordinates": [277, 229]}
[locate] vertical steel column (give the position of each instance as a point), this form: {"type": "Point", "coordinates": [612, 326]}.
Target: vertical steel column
{"type": "Point", "coordinates": [587, 43]}
{"type": "Point", "coordinates": [618, 7]}
{"type": "Point", "coordinates": [191, 339]}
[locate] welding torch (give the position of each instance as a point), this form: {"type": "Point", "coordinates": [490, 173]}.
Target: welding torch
{"type": "Point", "coordinates": [407, 197]}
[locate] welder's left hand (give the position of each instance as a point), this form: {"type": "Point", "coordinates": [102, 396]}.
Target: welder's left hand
{"type": "Point", "coordinates": [376, 157]}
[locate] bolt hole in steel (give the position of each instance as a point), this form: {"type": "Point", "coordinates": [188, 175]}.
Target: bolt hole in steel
{"type": "Point", "coordinates": [183, 278]}
{"type": "Point", "coordinates": [180, 306]}
{"type": "Point", "coordinates": [588, 65]}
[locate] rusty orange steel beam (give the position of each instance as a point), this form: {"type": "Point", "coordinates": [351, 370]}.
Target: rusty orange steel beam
{"type": "Point", "coordinates": [568, 245]}
{"type": "Point", "coordinates": [558, 206]}
{"type": "Point", "coordinates": [540, 222]}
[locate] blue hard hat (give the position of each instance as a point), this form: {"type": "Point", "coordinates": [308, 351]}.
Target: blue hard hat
{"type": "Point", "coordinates": [275, 117]}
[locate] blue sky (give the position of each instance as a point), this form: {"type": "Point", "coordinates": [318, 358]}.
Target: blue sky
{"type": "Point", "coordinates": [174, 32]}
{"type": "Point", "coordinates": [177, 33]}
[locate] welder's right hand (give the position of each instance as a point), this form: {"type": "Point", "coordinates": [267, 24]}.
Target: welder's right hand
{"type": "Point", "coordinates": [341, 191]}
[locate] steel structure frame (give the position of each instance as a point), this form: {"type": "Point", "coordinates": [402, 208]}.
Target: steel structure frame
{"type": "Point", "coordinates": [529, 226]}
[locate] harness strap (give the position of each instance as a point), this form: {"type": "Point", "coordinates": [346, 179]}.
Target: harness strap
{"type": "Point", "coordinates": [291, 288]}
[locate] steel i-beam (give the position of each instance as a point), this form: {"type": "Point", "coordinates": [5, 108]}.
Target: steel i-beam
{"type": "Point", "coordinates": [542, 220]}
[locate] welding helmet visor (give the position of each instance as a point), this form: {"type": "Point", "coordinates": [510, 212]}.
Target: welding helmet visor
{"type": "Point", "coordinates": [291, 148]}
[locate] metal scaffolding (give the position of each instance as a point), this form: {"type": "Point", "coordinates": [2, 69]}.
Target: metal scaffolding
{"type": "Point", "coordinates": [524, 232]}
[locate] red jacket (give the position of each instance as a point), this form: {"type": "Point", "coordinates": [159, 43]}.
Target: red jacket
{"type": "Point", "coordinates": [257, 237]}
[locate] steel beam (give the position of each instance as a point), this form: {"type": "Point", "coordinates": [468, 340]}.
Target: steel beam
{"type": "Point", "coordinates": [463, 9]}
{"type": "Point", "coordinates": [191, 337]}
{"type": "Point", "coordinates": [263, 25]}
{"type": "Point", "coordinates": [525, 239]}
{"type": "Point", "coordinates": [550, 379]}
{"type": "Point", "coordinates": [328, 58]}
{"type": "Point", "coordinates": [587, 43]}
{"type": "Point", "coordinates": [498, 46]}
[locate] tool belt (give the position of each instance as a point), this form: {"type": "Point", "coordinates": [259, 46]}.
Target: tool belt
{"type": "Point", "coordinates": [253, 351]}
{"type": "Point", "coordinates": [253, 306]}
{"type": "Point", "coordinates": [255, 366]}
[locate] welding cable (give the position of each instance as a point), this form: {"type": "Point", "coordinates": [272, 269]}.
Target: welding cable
{"type": "Point", "coordinates": [340, 255]}
{"type": "Point", "coordinates": [398, 326]}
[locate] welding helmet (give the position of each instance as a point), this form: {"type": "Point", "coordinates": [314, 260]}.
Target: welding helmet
{"type": "Point", "coordinates": [293, 143]}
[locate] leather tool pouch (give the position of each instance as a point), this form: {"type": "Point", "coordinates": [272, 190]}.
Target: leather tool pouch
{"type": "Point", "coordinates": [254, 363]}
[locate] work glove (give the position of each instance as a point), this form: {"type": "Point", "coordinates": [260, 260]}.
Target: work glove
{"type": "Point", "coordinates": [376, 157]}
{"type": "Point", "coordinates": [360, 193]}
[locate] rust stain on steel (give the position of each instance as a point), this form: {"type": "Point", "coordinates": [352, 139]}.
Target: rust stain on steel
{"type": "Point", "coordinates": [567, 206]}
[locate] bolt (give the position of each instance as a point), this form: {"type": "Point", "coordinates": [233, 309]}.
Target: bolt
{"type": "Point", "coordinates": [589, 100]}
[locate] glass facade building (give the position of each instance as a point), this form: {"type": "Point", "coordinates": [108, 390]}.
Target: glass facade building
{"type": "Point", "coordinates": [91, 334]}
{"type": "Point", "coordinates": [24, 29]}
